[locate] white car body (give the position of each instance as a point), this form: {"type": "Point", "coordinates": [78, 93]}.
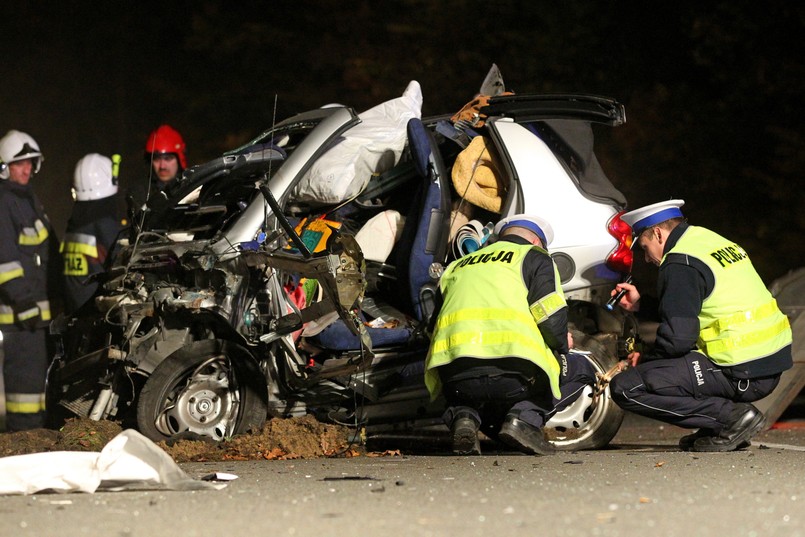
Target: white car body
{"type": "Point", "coordinates": [579, 223]}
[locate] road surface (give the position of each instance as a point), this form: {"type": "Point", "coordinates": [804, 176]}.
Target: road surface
{"type": "Point", "coordinates": [642, 485]}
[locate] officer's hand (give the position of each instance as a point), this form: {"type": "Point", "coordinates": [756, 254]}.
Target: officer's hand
{"type": "Point", "coordinates": [569, 340]}
{"type": "Point", "coordinates": [27, 315]}
{"type": "Point", "coordinates": [633, 358]}
{"type": "Point", "coordinates": [630, 300]}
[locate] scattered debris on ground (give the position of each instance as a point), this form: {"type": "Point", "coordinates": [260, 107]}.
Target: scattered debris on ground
{"type": "Point", "coordinates": [292, 438]}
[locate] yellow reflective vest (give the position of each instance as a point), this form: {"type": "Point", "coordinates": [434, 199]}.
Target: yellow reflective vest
{"type": "Point", "coordinates": [486, 314]}
{"type": "Point", "coordinates": [739, 321]}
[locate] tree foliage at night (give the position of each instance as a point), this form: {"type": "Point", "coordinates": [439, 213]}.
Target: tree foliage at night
{"type": "Point", "coordinates": [713, 91]}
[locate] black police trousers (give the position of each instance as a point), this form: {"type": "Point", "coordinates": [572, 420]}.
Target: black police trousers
{"type": "Point", "coordinates": [490, 389]}
{"type": "Point", "coordinates": [691, 391]}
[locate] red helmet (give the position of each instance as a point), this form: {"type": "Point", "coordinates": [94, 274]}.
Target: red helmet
{"type": "Point", "coordinates": [166, 139]}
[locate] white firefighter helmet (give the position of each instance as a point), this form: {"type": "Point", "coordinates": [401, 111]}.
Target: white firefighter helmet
{"type": "Point", "coordinates": [16, 145]}
{"type": "Point", "coordinates": [93, 178]}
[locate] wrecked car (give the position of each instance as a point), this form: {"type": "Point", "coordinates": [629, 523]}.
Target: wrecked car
{"type": "Point", "coordinates": [250, 293]}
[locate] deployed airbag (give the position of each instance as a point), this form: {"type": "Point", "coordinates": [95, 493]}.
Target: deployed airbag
{"type": "Point", "coordinates": [371, 147]}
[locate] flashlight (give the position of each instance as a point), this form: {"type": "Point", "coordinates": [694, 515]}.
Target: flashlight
{"type": "Point", "coordinates": [612, 302]}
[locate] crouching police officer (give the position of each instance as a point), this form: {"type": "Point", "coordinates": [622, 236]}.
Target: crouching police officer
{"type": "Point", "coordinates": [722, 341]}
{"type": "Point", "coordinates": [499, 350]}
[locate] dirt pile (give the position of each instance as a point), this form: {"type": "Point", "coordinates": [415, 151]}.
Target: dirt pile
{"type": "Point", "coordinates": [76, 435]}
{"type": "Point", "coordinates": [293, 438]}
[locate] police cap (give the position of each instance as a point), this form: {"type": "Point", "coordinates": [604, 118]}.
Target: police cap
{"type": "Point", "coordinates": [651, 215]}
{"type": "Point", "coordinates": [538, 225]}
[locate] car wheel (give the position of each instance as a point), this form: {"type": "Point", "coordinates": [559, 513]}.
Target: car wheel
{"type": "Point", "coordinates": [585, 425]}
{"type": "Point", "coordinates": [202, 389]}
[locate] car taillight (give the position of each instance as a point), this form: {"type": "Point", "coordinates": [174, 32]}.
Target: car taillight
{"type": "Point", "coordinates": [620, 259]}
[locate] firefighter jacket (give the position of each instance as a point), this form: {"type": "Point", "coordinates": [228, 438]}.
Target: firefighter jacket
{"type": "Point", "coordinates": [493, 308]}
{"type": "Point", "coordinates": [739, 320]}
{"type": "Point", "coordinates": [28, 249]}
{"type": "Point", "coordinates": [152, 191]}
{"type": "Point", "coordinates": [91, 233]}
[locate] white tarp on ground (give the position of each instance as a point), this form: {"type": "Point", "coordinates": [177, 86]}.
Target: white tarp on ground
{"type": "Point", "coordinates": [129, 460]}
{"type": "Point", "coordinates": [372, 146]}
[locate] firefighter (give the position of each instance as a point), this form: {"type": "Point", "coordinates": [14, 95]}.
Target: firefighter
{"type": "Point", "coordinates": [722, 342]}
{"type": "Point", "coordinates": [500, 347]}
{"type": "Point", "coordinates": [93, 228]}
{"type": "Point", "coordinates": [28, 259]}
{"type": "Point", "coordinates": [165, 154]}
{"type": "Point", "coordinates": [166, 160]}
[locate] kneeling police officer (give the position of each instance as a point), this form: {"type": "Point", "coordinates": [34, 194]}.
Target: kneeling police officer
{"type": "Point", "coordinates": [500, 347]}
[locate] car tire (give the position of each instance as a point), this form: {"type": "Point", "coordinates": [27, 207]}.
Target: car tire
{"type": "Point", "coordinates": [582, 425]}
{"type": "Point", "coordinates": [210, 388]}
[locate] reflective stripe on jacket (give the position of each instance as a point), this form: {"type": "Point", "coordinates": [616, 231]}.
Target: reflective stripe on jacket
{"type": "Point", "coordinates": [739, 321]}
{"type": "Point", "coordinates": [77, 250]}
{"type": "Point", "coordinates": [10, 270]}
{"type": "Point", "coordinates": [34, 235]}
{"type": "Point", "coordinates": [8, 315]}
{"type": "Point", "coordinates": [486, 313]}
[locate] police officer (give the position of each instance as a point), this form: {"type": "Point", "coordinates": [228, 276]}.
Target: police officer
{"type": "Point", "coordinates": [28, 262]}
{"type": "Point", "coordinates": [499, 350]}
{"type": "Point", "coordinates": [722, 341]}
{"type": "Point", "coordinates": [93, 228]}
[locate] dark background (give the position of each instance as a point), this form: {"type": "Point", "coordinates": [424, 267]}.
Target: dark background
{"type": "Point", "coordinates": [713, 90]}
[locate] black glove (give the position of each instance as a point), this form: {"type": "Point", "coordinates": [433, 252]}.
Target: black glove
{"type": "Point", "coordinates": [27, 315]}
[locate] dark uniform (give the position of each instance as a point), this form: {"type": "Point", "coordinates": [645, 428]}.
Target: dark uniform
{"type": "Point", "coordinates": [92, 230]}
{"type": "Point", "coordinates": [28, 277]}
{"type": "Point", "coordinates": [155, 193]}
{"type": "Point", "coordinates": [491, 380]}
{"type": "Point", "coordinates": [677, 382]}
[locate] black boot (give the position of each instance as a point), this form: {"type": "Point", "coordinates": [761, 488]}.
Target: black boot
{"type": "Point", "coordinates": [464, 431]}
{"type": "Point", "coordinates": [526, 438]}
{"type": "Point", "coordinates": [745, 422]}
{"type": "Point", "coordinates": [687, 441]}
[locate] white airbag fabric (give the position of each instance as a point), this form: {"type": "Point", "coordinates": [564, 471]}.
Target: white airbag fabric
{"type": "Point", "coordinates": [379, 234]}
{"type": "Point", "coordinates": [373, 146]}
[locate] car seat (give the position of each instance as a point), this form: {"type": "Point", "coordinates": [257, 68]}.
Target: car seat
{"type": "Point", "coordinates": [426, 225]}
{"type": "Point", "coordinates": [423, 241]}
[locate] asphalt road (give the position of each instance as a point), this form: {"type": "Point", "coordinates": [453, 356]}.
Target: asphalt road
{"type": "Point", "coordinates": [642, 485]}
